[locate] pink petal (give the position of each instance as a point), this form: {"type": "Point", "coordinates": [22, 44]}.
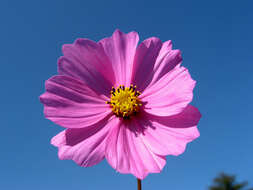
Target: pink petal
{"type": "Point", "coordinates": [72, 104]}
{"type": "Point", "coordinates": [86, 61]}
{"type": "Point", "coordinates": [166, 61]}
{"type": "Point", "coordinates": [145, 58]}
{"type": "Point", "coordinates": [171, 94]}
{"type": "Point", "coordinates": [120, 49]}
{"type": "Point", "coordinates": [85, 146]}
{"type": "Point", "coordinates": [170, 135]}
{"type": "Point", "coordinates": [127, 153]}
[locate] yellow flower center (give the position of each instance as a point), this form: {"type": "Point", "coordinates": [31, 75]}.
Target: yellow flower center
{"type": "Point", "coordinates": [124, 101]}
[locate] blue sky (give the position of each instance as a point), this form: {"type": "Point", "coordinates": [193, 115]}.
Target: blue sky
{"type": "Point", "coordinates": [215, 38]}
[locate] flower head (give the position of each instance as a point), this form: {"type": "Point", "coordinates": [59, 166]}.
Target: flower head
{"type": "Point", "coordinates": [121, 101]}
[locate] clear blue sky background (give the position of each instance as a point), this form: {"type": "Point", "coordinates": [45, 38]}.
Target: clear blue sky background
{"type": "Point", "coordinates": [216, 41]}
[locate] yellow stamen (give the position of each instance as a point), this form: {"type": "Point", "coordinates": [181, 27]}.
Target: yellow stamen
{"type": "Point", "coordinates": [124, 101]}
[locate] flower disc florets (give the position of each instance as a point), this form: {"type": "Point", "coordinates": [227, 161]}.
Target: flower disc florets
{"type": "Point", "coordinates": [124, 101]}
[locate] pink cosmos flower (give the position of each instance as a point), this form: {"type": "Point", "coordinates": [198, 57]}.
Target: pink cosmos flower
{"type": "Point", "coordinates": [121, 101]}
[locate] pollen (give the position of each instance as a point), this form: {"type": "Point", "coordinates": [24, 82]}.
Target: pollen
{"type": "Point", "coordinates": [124, 101]}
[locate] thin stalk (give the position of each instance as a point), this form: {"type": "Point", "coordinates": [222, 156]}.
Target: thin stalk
{"type": "Point", "coordinates": [139, 184]}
